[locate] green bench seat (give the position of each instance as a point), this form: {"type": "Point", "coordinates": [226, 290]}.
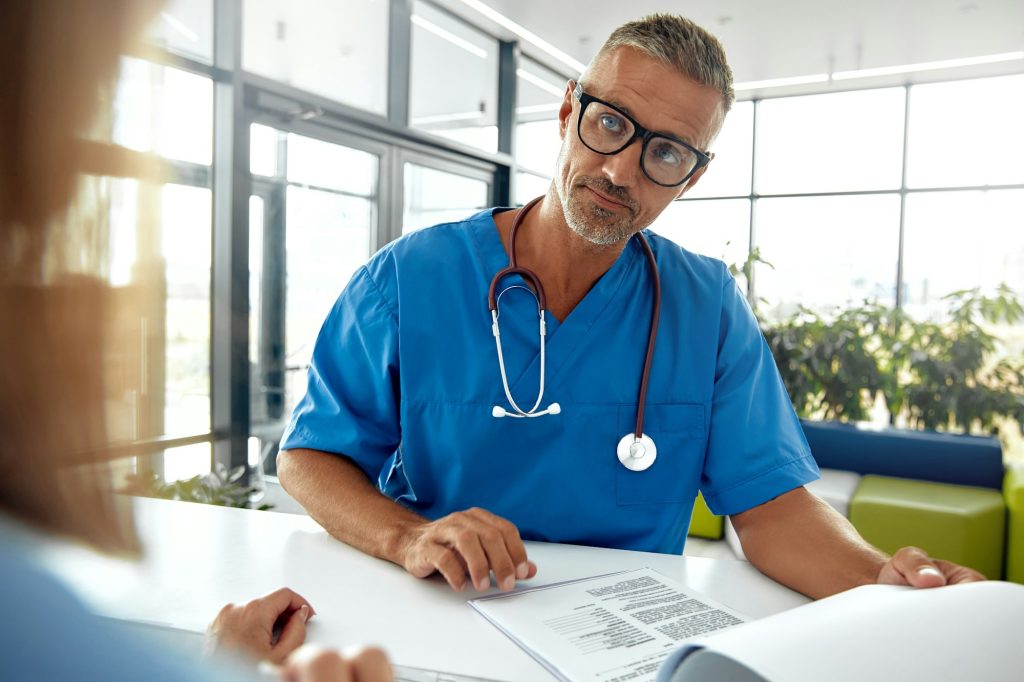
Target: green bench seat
{"type": "Point", "coordinates": [963, 524]}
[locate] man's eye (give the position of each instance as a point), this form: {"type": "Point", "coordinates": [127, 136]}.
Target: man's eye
{"type": "Point", "coordinates": [667, 154]}
{"type": "Point", "coordinates": [611, 123]}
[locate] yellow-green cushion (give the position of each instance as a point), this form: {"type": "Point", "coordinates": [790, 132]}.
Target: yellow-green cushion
{"type": "Point", "coordinates": [959, 523]}
{"type": "Point", "coordinates": [1013, 492]}
{"type": "Point", "coordinates": [703, 523]}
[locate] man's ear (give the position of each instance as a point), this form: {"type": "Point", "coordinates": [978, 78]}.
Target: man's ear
{"type": "Point", "coordinates": [565, 111]}
{"type": "Point", "coordinates": [688, 185]}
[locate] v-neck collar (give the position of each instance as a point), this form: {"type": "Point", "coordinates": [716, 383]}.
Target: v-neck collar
{"type": "Point", "coordinates": [564, 339]}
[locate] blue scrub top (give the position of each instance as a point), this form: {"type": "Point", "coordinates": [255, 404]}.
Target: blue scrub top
{"type": "Point", "coordinates": [405, 373]}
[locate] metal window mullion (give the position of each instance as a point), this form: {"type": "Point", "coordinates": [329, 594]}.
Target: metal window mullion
{"type": "Point", "coordinates": [399, 60]}
{"type": "Point", "coordinates": [508, 96]}
{"type": "Point", "coordinates": [229, 303]}
{"type": "Point", "coordinates": [903, 203]}
{"type": "Point", "coordinates": [752, 227]}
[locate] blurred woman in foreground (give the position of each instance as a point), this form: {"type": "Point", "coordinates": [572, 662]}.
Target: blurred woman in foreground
{"type": "Point", "coordinates": [58, 58]}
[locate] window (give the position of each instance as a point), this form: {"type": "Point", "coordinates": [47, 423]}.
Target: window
{"type": "Point", "coordinates": [435, 196]}
{"type": "Point", "coordinates": [827, 252]}
{"type": "Point", "coordinates": [540, 94]}
{"type": "Point", "coordinates": [163, 110]}
{"type": "Point", "coordinates": [185, 27]}
{"type": "Point", "coordinates": [966, 133]}
{"type": "Point", "coordinates": [961, 240]}
{"type": "Point", "coordinates": [454, 79]}
{"type": "Point", "coordinates": [830, 143]}
{"type": "Point", "coordinates": [719, 229]}
{"type": "Point", "coordinates": [729, 172]}
{"type": "Point", "coordinates": [338, 50]}
{"type": "Point", "coordinates": [311, 227]}
{"type": "Point", "coordinates": [159, 264]}
{"type": "Point", "coordinates": [185, 220]}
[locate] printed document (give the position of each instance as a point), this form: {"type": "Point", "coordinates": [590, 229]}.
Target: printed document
{"type": "Point", "coordinates": [612, 628]}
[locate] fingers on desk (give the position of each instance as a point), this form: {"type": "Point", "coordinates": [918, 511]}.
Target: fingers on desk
{"type": "Point", "coordinates": [293, 634]}
{"type": "Point", "coordinates": [956, 573]}
{"type": "Point", "coordinates": [286, 600]}
{"type": "Point", "coordinates": [503, 546]}
{"type": "Point", "coordinates": [474, 542]}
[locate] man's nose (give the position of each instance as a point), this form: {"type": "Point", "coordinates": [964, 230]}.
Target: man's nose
{"type": "Point", "coordinates": [621, 169]}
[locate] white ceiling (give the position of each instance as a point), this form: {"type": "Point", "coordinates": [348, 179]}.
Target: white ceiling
{"type": "Point", "coordinates": [786, 38]}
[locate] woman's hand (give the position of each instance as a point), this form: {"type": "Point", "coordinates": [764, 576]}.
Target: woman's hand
{"type": "Point", "coordinates": [312, 663]}
{"type": "Point", "coordinates": [266, 629]}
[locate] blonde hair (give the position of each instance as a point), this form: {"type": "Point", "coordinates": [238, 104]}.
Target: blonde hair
{"type": "Point", "coordinates": [681, 44]}
{"type": "Point", "coordinates": [59, 59]}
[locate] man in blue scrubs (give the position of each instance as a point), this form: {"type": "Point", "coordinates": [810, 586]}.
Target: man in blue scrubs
{"type": "Point", "coordinates": [394, 448]}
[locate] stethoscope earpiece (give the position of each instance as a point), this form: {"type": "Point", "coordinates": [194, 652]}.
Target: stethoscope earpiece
{"type": "Point", "coordinates": [498, 412]}
{"type": "Point", "coordinates": [636, 453]}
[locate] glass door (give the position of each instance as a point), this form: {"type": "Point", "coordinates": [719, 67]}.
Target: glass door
{"type": "Point", "coordinates": [313, 221]}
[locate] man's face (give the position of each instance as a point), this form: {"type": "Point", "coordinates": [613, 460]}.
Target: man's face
{"type": "Point", "coordinates": [606, 199]}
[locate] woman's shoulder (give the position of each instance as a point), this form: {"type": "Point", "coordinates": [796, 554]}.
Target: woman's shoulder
{"type": "Point", "coordinates": [47, 633]}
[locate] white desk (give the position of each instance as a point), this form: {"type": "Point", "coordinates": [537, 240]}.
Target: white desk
{"type": "Point", "coordinates": [200, 557]}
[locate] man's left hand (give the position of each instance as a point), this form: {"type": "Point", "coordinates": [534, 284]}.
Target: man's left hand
{"type": "Point", "coordinates": [912, 566]}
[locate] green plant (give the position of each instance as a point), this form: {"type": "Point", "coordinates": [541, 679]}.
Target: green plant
{"type": "Point", "coordinates": [950, 379]}
{"type": "Point", "coordinates": [219, 487]}
{"type": "Point", "coordinates": [831, 367]}
{"type": "Point", "coordinates": [931, 375]}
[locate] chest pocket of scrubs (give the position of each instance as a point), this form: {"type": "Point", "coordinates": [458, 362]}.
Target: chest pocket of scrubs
{"type": "Point", "coordinates": [678, 433]}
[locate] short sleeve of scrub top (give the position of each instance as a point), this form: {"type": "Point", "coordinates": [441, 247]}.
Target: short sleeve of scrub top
{"type": "Point", "coordinates": [756, 446]}
{"type": "Point", "coordinates": [351, 403]}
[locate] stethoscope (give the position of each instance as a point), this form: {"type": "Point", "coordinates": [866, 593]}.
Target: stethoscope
{"type": "Point", "coordinates": [636, 451]}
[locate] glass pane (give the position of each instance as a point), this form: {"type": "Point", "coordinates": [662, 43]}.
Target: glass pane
{"type": "Point", "coordinates": [121, 199]}
{"type": "Point", "coordinates": [185, 27]}
{"type": "Point", "coordinates": [163, 110]}
{"type": "Point", "coordinates": [335, 49]}
{"type": "Point", "coordinates": [729, 172]}
{"type": "Point", "coordinates": [434, 196]}
{"type": "Point", "coordinates": [537, 146]}
{"type": "Point", "coordinates": [263, 143]}
{"type": "Point", "coordinates": [331, 166]}
{"type": "Point", "coordinates": [187, 461]}
{"type": "Point", "coordinates": [720, 229]}
{"type": "Point", "coordinates": [842, 141]}
{"type": "Point", "coordinates": [540, 93]}
{"type": "Point", "coordinates": [328, 239]}
{"type": "Point", "coordinates": [113, 204]}
{"type": "Point", "coordinates": [454, 79]}
{"type": "Point", "coordinates": [961, 240]}
{"type": "Point", "coordinates": [827, 252]}
{"type": "Point", "coordinates": [255, 281]}
{"type": "Point", "coordinates": [529, 186]}
{"type": "Point", "coordinates": [186, 248]}
{"type": "Point", "coordinates": [966, 133]}
{"type": "Point", "coordinates": [158, 264]}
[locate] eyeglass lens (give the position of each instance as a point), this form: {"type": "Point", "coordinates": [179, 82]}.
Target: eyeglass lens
{"type": "Point", "coordinates": [606, 131]}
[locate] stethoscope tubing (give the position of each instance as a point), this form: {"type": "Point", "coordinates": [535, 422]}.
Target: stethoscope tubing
{"type": "Point", "coordinates": [532, 279]}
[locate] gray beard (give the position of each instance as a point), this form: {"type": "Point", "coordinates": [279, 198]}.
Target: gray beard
{"type": "Point", "coordinates": [593, 223]}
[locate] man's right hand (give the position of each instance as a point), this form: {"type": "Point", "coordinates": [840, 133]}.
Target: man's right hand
{"type": "Point", "coordinates": [468, 545]}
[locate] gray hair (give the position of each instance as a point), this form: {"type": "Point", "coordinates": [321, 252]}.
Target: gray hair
{"type": "Point", "coordinates": [681, 44]}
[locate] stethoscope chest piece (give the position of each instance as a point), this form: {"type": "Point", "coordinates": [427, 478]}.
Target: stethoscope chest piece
{"type": "Point", "coordinates": [636, 454]}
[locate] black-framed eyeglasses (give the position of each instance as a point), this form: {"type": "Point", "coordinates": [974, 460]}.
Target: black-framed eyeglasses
{"type": "Point", "coordinates": [606, 129]}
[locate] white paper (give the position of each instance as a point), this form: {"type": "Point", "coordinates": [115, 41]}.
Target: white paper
{"type": "Point", "coordinates": [610, 628]}
{"type": "Point", "coordinates": [882, 632]}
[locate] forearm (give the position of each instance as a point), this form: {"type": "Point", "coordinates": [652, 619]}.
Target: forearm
{"type": "Point", "coordinates": [800, 541]}
{"type": "Point", "coordinates": [339, 496]}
